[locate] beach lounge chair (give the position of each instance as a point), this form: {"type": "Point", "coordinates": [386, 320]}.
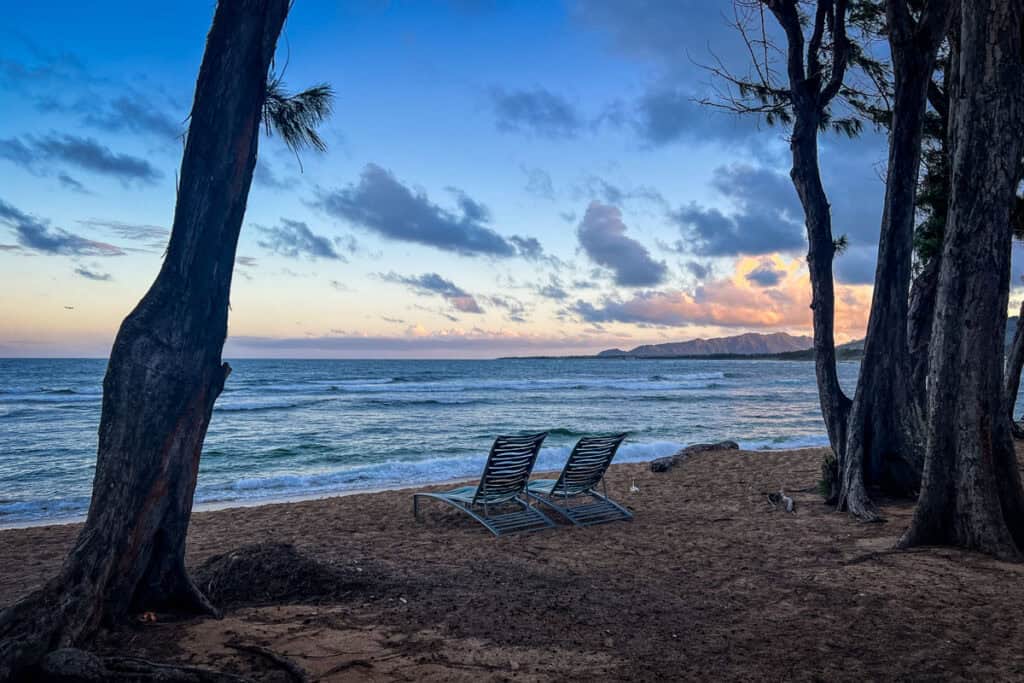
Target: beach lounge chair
{"type": "Point", "coordinates": [504, 479]}
{"type": "Point", "coordinates": [582, 473]}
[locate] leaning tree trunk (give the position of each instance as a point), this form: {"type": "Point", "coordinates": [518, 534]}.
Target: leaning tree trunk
{"type": "Point", "coordinates": [165, 369]}
{"type": "Point", "coordinates": [971, 493]}
{"type": "Point", "coordinates": [1014, 365]}
{"type": "Point", "coordinates": [885, 442]}
{"type": "Point", "coordinates": [806, 175]}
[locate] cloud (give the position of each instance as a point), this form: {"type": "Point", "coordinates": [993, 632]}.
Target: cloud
{"type": "Point", "coordinates": [515, 308]}
{"type": "Point", "coordinates": [538, 111]}
{"type": "Point", "coordinates": [766, 274]}
{"type": "Point", "coordinates": [16, 151]}
{"type": "Point", "coordinates": [701, 271]}
{"type": "Point", "coordinates": [856, 266]}
{"type": "Point", "coordinates": [64, 69]}
{"type": "Point", "coordinates": [383, 205]}
{"type": "Point", "coordinates": [135, 113]}
{"type": "Point", "coordinates": [737, 301]}
{"type": "Point", "coordinates": [553, 289]}
{"type": "Point", "coordinates": [602, 235]}
{"type": "Point", "coordinates": [93, 274]}
{"type": "Point", "coordinates": [538, 183]}
{"type": "Point", "coordinates": [415, 342]}
{"type": "Point", "coordinates": [852, 171]}
{"type": "Point", "coordinates": [63, 83]}
{"type": "Point", "coordinates": [35, 233]}
{"type": "Point", "coordinates": [265, 176]}
{"type": "Point", "coordinates": [85, 153]}
{"type": "Point", "coordinates": [767, 219]}
{"type": "Point", "coordinates": [674, 34]}
{"type": "Point", "coordinates": [595, 187]}
{"type": "Point", "coordinates": [72, 184]}
{"type": "Point", "coordinates": [432, 283]}
{"type": "Point", "coordinates": [294, 239]}
{"type": "Point", "coordinates": [666, 115]}
{"type": "Point", "coordinates": [528, 247]}
{"type": "Point", "coordinates": [154, 236]}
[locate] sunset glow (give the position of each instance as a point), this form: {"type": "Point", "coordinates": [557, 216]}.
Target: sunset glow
{"type": "Point", "coordinates": [477, 199]}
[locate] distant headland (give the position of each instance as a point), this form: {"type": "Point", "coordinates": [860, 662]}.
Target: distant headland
{"type": "Point", "coordinates": [751, 345]}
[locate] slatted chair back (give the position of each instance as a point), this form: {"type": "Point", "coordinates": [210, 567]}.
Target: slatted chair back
{"type": "Point", "coordinates": [587, 464]}
{"type": "Point", "coordinates": [508, 468]}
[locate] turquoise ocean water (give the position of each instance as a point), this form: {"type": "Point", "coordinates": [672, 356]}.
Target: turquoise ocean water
{"type": "Point", "coordinates": [294, 428]}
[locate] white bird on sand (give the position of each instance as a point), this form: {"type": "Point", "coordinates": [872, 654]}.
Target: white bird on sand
{"type": "Point", "coordinates": [633, 488]}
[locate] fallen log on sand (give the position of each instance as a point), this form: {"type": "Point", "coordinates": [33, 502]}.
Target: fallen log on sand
{"type": "Point", "coordinates": [670, 461]}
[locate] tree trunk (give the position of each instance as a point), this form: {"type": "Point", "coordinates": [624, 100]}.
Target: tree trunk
{"type": "Point", "coordinates": [971, 493]}
{"type": "Point", "coordinates": [1014, 365]}
{"type": "Point", "coordinates": [806, 175]}
{"type": "Point", "coordinates": [885, 442]}
{"type": "Point", "coordinates": [165, 369]}
{"type": "Point", "coordinates": [919, 328]}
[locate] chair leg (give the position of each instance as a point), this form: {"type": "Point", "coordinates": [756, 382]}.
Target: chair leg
{"type": "Point", "coordinates": [497, 524]}
{"type": "Point", "coordinates": [606, 510]}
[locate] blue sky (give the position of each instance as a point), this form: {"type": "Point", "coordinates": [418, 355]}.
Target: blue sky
{"type": "Point", "coordinates": [502, 177]}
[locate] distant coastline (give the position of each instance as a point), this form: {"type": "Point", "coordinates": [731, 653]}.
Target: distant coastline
{"type": "Point", "coordinates": [842, 354]}
{"type": "Point", "coordinates": [748, 346]}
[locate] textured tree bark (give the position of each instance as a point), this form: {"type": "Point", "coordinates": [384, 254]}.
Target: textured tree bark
{"type": "Point", "coordinates": [885, 446]}
{"type": "Point", "coordinates": [971, 492]}
{"type": "Point", "coordinates": [165, 369]}
{"type": "Point", "coordinates": [806, 175]}
{"type": "Point", "coordinates": [1014, 365]}
{"type": "Point", "coordinates": [919, 328]}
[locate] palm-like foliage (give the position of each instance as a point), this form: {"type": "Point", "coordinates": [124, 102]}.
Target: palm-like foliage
{"type": "Point", "coordinates": [295, 117]}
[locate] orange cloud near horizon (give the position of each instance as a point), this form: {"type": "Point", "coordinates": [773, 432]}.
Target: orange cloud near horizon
{"type": "Point", "coordinates": [768, 292]}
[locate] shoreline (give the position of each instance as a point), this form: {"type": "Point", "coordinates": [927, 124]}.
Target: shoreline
{"type": "Point", "coordinates": [217, 505]}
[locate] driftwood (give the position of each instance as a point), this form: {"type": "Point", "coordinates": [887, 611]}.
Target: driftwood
{"type": "Point", "coordinates": [781, 499]}
{"type": "Point", "coordinates": [670, 461]}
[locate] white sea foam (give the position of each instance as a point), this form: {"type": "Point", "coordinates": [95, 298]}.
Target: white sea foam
{"type": "Point", "coordinates": [393, 474]}
{"type": "Point", "coordinates": [786, 443]}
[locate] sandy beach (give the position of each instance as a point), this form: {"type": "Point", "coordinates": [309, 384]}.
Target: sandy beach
{"type": "Point", "coordinates": [708, 581]}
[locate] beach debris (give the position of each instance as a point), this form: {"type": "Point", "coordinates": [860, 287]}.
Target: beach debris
{"type": "Point", "coordinates": [670, 461]}
{"type": "Point", "coordinates": [266, 573]}
{"type": "Point", "coordinates": [781, 499]}
{"type": "Point", "coordinates": [633, 488]}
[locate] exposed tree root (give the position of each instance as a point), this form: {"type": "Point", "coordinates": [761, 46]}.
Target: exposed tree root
{"type": "Point", "coordinates": [70, 664]}
{"type": "Point", "coordinates": [296, 672]}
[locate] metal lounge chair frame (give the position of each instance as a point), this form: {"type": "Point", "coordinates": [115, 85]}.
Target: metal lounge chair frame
{"type": "Point", "coordinates": [582, 473]}
{"type": "Point", "coordinates": [505, 476]}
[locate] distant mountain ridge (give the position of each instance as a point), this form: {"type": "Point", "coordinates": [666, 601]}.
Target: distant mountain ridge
{"type": "Point", "coordinates": [751, 343]}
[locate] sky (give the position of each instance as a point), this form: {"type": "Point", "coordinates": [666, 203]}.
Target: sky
{"type": "Point", "coordinates": [501, 178]}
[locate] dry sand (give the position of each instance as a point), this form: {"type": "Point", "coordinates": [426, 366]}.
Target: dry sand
{"type": "Point", "coordinates": [708, 581]}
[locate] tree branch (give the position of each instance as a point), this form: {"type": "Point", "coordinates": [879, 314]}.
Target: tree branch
{"type": "Point", "coordinates": [840, 55]}
{"type": "Point", "coordinates": [785, 12]}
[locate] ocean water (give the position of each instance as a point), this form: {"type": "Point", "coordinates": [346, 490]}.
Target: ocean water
{"type": "Point", "coordinates": [296, 428]}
